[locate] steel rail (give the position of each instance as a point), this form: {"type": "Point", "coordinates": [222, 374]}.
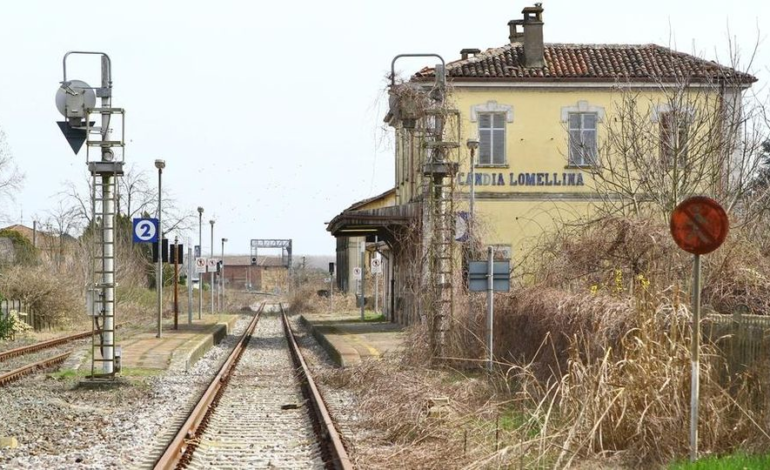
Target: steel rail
{"type": "Point", "coordinates": [16, 374]}
{"type": "Point", "coordinates": [179, 450]}
{"type": "Point", "coordinates": [336, 449]}
{"type": "Point", "coordinates": [22, 350]}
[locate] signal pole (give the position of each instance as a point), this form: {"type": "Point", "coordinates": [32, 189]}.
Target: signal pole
{"type": "Point", "coordinates": [76, 101]}
{"type": "Point", "coordinates": [211, 277]}
{"type": "Point", "coordinates": [200, 254]}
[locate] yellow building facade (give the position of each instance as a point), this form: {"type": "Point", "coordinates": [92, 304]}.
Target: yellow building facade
{"type": "Point", "coordinates": [543, 120]}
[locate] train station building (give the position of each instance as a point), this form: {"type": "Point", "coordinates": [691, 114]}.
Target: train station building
{"type": "Point", "coordinates": [544, 123]}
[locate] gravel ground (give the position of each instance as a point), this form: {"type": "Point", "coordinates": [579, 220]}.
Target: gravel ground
{"type": "Point", "coordinates": [61, 426]}
{"type": "Point", "coordinates": [126, 427]}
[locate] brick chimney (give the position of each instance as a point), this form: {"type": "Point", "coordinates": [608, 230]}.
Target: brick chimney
{"type": "Point", "coordinates": [533, 36]}
{"type": "Point", "coordinates": [515, 35]}
{"type": "Point", "coordinates": [464, 53]}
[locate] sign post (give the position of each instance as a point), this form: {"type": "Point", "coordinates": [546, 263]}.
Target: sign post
{"type": "Point", "coordinates": [189, 284]}
{"type": "Point", "coordinates": [376, 268]}
{"type": "Point", "coordinates": [490, 306]}
{"type": "Point", "coordinates": [363, 280]}
{"type": "Point", "coordinates": [489, 276]}
{"type": "Point", "coordinates": [331, 287]}
{"type": "Point", "coordinates": [699, 225]}
{"type": "Point", "coordinates": [176, 283]}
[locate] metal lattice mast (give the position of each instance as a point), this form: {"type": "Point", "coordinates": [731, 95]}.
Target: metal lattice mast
{"type": "Point", "coordinates": [76, 100]}
{"type": "Point", "coordinates": [439, 172]}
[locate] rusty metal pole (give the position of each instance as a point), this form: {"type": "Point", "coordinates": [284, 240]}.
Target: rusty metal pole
{"type": "Point", "coordinates": [176, 283]}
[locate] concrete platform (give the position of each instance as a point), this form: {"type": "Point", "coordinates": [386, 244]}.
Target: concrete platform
{"type": "Point", "coordinates": [349, 341]}
{"type": "Point", "coordinates": [177, 349]}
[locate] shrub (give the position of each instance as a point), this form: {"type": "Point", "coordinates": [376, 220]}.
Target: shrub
{"type": "Point", "coordinates": [56, 300]}
{"type": "Point", "coordinates": [11, 325]}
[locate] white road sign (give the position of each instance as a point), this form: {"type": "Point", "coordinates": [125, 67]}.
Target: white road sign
{"type": "Point", "coordinates": [376, 266]}
{"type": "Point", "coordinates": [357, 274]}
{"type": "Point", "coordinates": [211, 264]}
{"type": "Point", "coordinates": [200, 265]}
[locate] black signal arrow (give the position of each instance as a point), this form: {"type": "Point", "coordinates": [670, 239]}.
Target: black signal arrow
{"type": "Point", "coordinates": [75, 136]}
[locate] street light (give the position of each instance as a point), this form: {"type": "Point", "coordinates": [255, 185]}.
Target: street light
{"type": "Point", "coordinates": [222, 278]}
{"type": "Point", "coordinates": [473, 144]}
{"type": "Point", "coordinates": [200, 254]}
{"type": "Point", "coordinates": [160, 165]}
{"type": "Point", "coordinates": [211, 278]}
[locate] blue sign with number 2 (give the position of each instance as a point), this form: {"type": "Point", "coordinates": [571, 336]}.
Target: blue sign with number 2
{"type": "Point", "coordinates": [145, 230]}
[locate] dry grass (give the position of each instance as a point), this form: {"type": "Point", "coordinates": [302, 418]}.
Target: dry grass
{"type": "Point", "coordinates": [621, 396]}
{"type": "Point", "coordinates": [593, 366]}
{"type": "Point", "coordinates": [305, 299]}
{"type": "Point", "coordinates": [398, 403]}
{"type": "Point", "coordinates": [613, 254]}
{"type": "Point", "coordinates": [538, 325]}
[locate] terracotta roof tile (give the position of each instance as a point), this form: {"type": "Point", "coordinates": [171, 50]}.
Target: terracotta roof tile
{"type": "Point", "coordinates": [647, 62]}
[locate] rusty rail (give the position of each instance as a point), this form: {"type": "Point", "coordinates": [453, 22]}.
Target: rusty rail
{"type": "Point", "coordinates": [334, 447]}
{"type": "Point", "coordinates": [179, 451]}
{"type": "Point", "coordinates": [20, 351]}
{"type": "Point", "coordinates": [16, 374]}
{"type": "Point", "coordinates": [41, 345]}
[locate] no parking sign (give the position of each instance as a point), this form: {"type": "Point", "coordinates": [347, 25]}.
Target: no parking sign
{"type": "Point", "coordinates": [200, 265]}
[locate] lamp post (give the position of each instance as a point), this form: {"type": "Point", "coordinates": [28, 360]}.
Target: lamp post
{"type": "Point", "coordinates": [222, 278]}
{"type": "Point", "coordinates": [160, 165]}
{"type": "Point", "coordinates": [211, 278]}
{"type": "Point", "coordinates": [200, 253]}
{"type": "Point", "coordinates": [473, 144]}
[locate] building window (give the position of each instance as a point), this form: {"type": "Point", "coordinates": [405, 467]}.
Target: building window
{"type": "Point", "coordinates": [673, 138]}
{"type": "Point", "coordinates": [491, 139]}
{"type": "Point", "coordinates": [582, 139]}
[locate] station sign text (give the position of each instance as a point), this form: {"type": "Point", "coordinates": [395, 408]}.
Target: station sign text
{"type": "Point", "coordinates": [522, 179]}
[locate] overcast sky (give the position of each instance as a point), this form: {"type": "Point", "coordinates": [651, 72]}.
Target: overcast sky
{"type": "Point", "coordinates": [269, 114]}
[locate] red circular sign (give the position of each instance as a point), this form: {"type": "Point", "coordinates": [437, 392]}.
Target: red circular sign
{"type": "Point", "coordinates": [699, 225]}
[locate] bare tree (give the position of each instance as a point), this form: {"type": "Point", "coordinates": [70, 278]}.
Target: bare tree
{"type": "Point", "coordinates": [58, 227]}
{"type": "Point", "coordinates": [136, 196]}
{"type": "Point", "coordinates": [10, 177]}
{"type": "Point", "coordinates": [686, 135]}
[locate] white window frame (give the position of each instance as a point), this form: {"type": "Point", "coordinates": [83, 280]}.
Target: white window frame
{"type": "Point", "coordinates": [582, 159]}
{"type": "Point", "coordinates": [494, 159]}
{"type": "Point", "coordinates": [493, 107]}
{"type": "Point", "coordinates": [582, 107]}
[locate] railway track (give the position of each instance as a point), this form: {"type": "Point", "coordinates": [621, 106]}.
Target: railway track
{"type": "Point", "coordinates": [261, 410]}
{"type": "Point", "coordinates": [42, 345]}
{"type": "Point", "coordinates": [15, 373]}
